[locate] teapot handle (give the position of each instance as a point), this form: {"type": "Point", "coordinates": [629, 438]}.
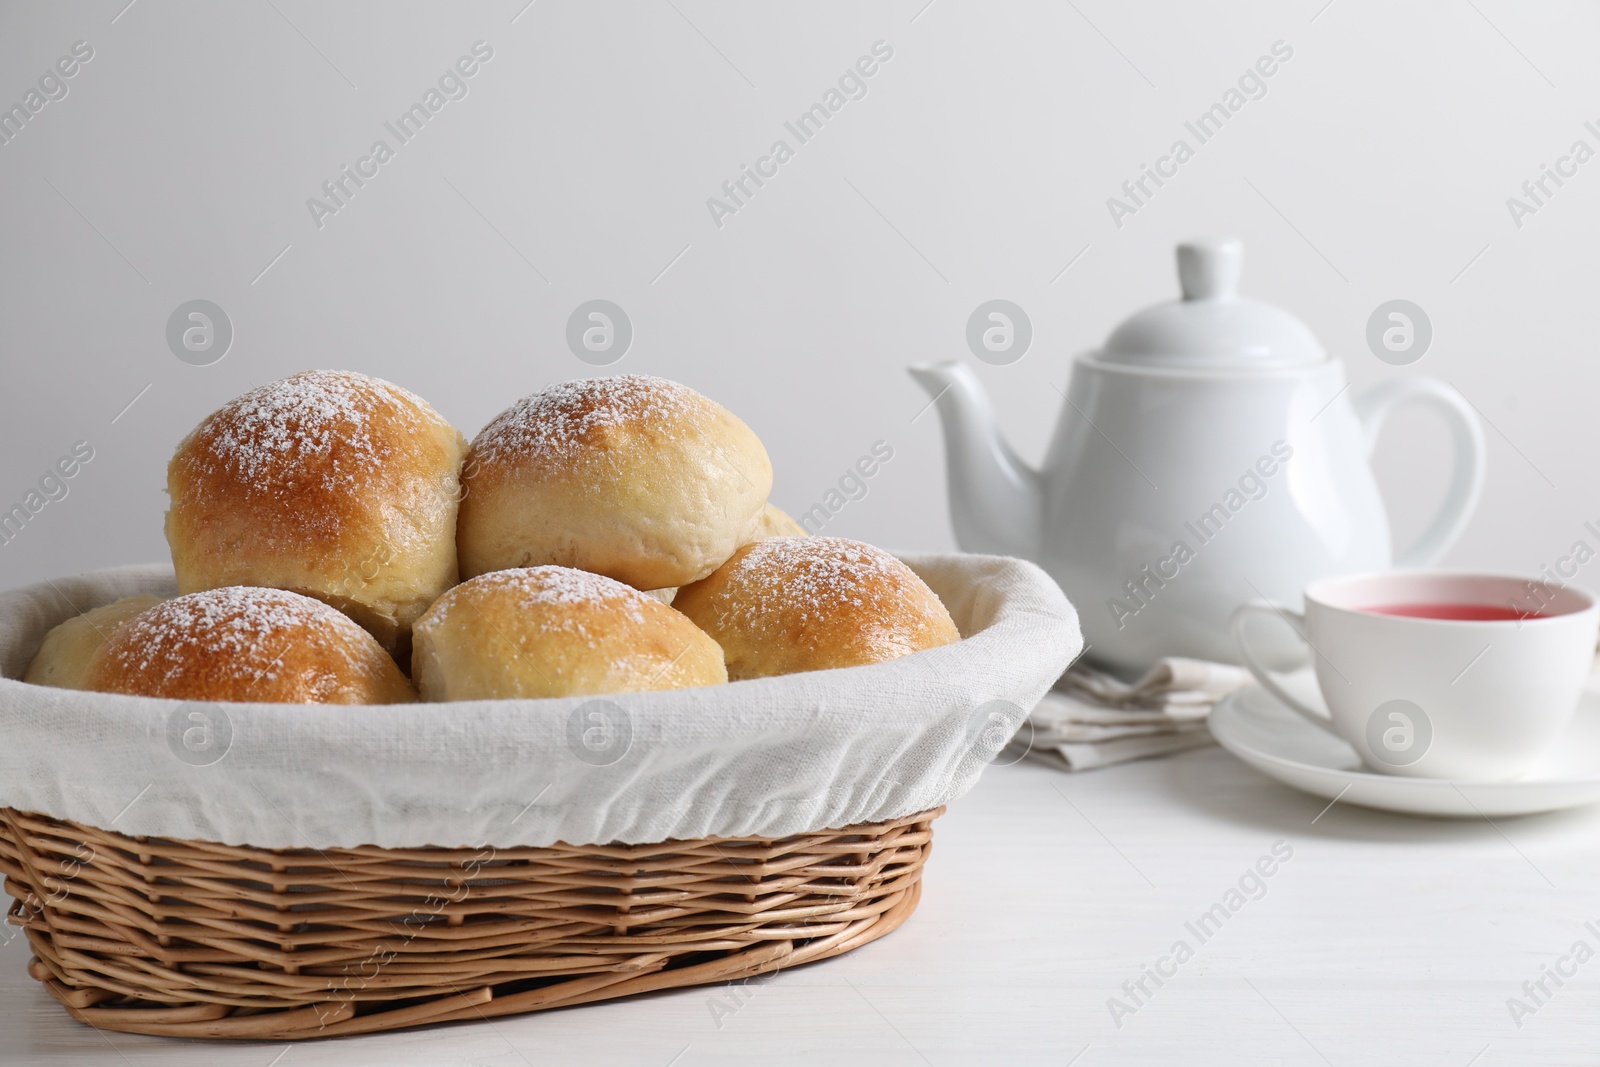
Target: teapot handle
{"type": "Point", "coordinates": [1466, 432]}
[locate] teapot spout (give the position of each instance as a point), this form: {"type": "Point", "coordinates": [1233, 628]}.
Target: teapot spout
{"type": "Point", "coordinates": [995, 498]}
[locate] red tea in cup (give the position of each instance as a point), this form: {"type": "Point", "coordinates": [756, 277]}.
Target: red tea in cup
{"type": "Point", "coordinates": [1454, 612]}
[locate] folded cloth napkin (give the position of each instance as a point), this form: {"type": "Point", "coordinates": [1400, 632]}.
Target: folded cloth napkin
{"type": "Point", "coordinates": [1094, 719]}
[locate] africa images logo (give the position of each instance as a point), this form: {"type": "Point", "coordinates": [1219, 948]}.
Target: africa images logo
{"type": "Point", "coordinates": [599, 732]}
{"type": "Point", "coordinates": [452, 85]}
{"type": "Point", "coordinates": [52, 88]}
{"type": "Point", "coordinates": [1253, 484]}
{"type": "Point", "coordinates": [1251, 85]}
{"type": "Point", "coordinates": [852, 85]}
{"type": "Point", "coordinates": [1399, 733]}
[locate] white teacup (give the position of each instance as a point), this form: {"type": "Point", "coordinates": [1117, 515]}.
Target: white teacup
{"type": "Point", "coordinates": [1474, 697]}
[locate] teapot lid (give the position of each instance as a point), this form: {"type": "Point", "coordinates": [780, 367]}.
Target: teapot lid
{"type": "Point", "coordinates": [1212, 326]}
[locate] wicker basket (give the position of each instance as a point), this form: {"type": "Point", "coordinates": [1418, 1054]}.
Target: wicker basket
{"type": "Point", "coordinates": [158, 929]}
{"type": "Point", "coordinates": [195, 939]}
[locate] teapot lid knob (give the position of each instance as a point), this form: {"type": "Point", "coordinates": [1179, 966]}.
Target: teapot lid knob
{"type": "Point", "coordinates": [1212, 327]}
{"type": "Point", "coordinates": [1208, 269]}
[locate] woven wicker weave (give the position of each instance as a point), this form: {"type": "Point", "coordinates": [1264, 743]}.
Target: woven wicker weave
{"type": "Point", "coordinates": [194, 939]}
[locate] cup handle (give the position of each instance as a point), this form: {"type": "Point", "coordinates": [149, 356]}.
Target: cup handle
{"type": "Point", "coordinates": [1297, 623]}
{"type": "Point", "coordinates": [1466, 432]}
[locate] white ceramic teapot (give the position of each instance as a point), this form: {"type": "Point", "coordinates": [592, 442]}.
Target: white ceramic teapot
{"type": "Point", "coordinates": [1207, 455]}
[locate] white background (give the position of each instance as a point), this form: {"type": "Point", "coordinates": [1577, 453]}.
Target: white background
{"type": "Point", "coordinates": [978, 166]}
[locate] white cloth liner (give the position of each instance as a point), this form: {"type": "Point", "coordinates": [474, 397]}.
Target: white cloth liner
{"type": "Point", "coordinates": [768, 757]}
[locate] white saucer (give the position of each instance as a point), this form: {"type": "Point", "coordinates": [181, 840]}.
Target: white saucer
{"type": "Point", "coordinates": [1257, 728]}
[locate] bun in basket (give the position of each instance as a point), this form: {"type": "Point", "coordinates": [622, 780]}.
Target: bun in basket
{"type": "Point", "coordinates": [771, 522]}
{"type": "Point", "coordinates": [554, 632]}
{"type": "Point", "coordinates": [327, 483]}
{"type": "Point", "coordinates": [247, 644]}
{"type": "Point", "coordinates": [790, 604]}
{"type": "Point", "coordinates": [775, 522]}
{"type": "Point", "coordinates": [637, 478]}
{"type": "Point", "coordinates": [63, 658]}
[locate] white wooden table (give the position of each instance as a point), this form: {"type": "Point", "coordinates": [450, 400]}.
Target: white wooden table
{"type": "Point", "coordinates": [1383, 939]}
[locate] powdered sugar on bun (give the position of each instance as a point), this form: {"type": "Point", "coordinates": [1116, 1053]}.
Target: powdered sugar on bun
{"type": "Point", "coordinates": [555, 631]}
{"type": "Point", "coordinates": [812, 576]}
{"type": "Point", "coordinates": [534, 587]}
{"type": "Point", "coordinates": [321, 422]}
{"type": "Point", "coordinates": [637, 478]}
{"type": "Point", "coordinates": [789, 604]}
{"type": "Point", "coordinates": [328, 483]}
{"type": "Point", "coordinates": [243, 643]}
{"type": "Point", "coordinates": [571, 420]}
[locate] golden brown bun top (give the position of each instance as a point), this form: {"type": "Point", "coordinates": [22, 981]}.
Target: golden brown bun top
{"type": "Point", "coordinates": [63, 658]}
{"type": "Point", "coordinates": [789, 604]}
{"type": "Point", "coordinates": [242, 643]}
{"type": "Point", "coordinates": [328, 454]}
{"type": "Point", "coordinates": [578, 421]}
{"type": "Point", "coordinates": [556, 631]}
{"type": "Point", "coordinates": [638, 478]}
